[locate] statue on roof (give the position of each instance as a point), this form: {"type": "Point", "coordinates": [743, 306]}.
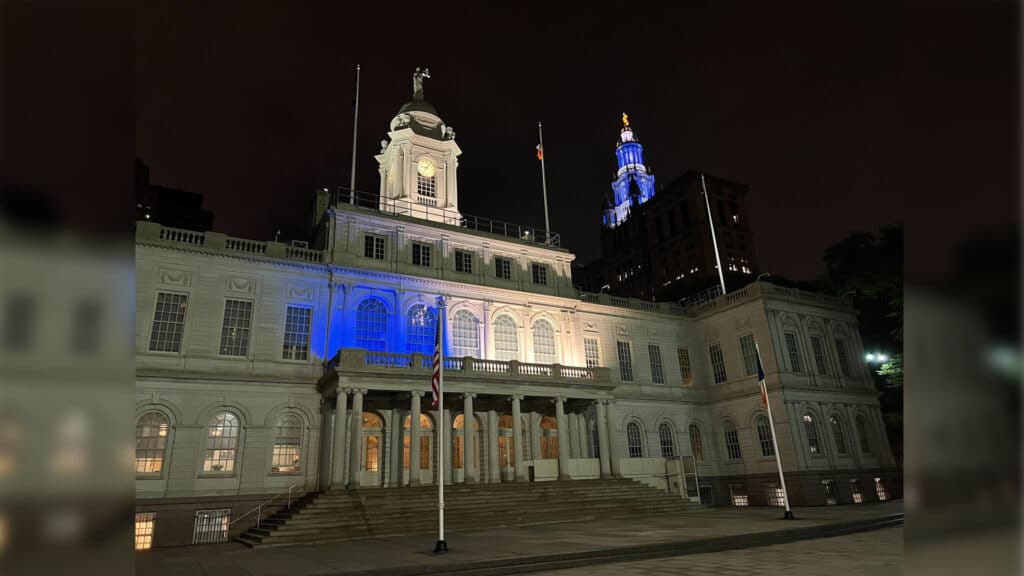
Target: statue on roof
{"type": "Point", "coordinates": [625, 120]}
{"type": "Point", "coordinates": [417, 82]}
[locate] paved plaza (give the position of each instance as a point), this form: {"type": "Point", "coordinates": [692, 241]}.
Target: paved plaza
{"type": "Point", "coordinates": [479, 550]}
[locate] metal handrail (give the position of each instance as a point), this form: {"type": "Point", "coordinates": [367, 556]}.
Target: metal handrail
{"type": "Point", "coordinates": [258, 510]}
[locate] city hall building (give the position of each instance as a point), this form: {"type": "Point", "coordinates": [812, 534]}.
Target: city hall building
{"type": "Point", "coordinates": [266, 368]}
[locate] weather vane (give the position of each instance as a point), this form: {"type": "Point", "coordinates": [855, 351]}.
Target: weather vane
{"type": "Point", "coordinates": [625, 120]}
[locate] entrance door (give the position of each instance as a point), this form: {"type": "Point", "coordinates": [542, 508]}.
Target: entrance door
{"type": "Point", "coordinates": [371, 453]}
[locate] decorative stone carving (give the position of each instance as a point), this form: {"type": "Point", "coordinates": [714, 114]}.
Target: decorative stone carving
{"type": "Point", "coordinates": [241, 285]}
{"type": "Point", "coordinates": [175, 277]}
{"type": "Point", "coordinates": [300, 293]}
{"type": "Point", "coordinates": [741, 325]}
{"type": "Point", "coordinates": [621, 330]}
{"type": "Point", "coordinates": [590, 327]}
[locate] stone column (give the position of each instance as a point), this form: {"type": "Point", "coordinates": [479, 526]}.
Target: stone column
{"type": "Point", "coordinates": [414, 439]}
{"type": "Point", "coordinates": [338, 464]}
{"type": "Point", "coordinates": [535, 435]}
{"type": "Point", "coordinates": [485, 326]}
{"type": "Point", "coordinates": [563, 439]}
{"type": "Point", "coordinates": [602, 438]}
{"type": "Point", "coordinates": [517, 439]}
{"type": "Point", "coordinates": [493, 471]}
{"type": "Point", "coordinates": [468, 437]}
{"type": "Point", "coordinates": [393, 447]}
{"type": "Point", "coordinates": [354, 479]}
{"type": "Point", "coordinates": [581, 430]}
{"type": "Point", "coordinates": [574, 435]}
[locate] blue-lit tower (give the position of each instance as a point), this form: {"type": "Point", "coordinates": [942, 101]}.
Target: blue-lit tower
{"type": "Point", "coordinates": [633, 185]}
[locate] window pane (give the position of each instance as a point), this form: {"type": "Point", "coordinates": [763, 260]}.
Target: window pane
{"type": "Point", "coordinates": [844, 361]}
{"type": "Point", "coordinates": [819, 356]}
{"type": "Point", "coordinates": [717, 363]}
{"type": "Point", "coordinates": [466, 334]}
{"type": "Point", "coordinates": [287, 453]}
{"type": "Point", "coordinates": [296, 333]}
{"type": "Point", "coordinates": [625, 362]}
{"type": "Point", "coordinates": [633, 441]}
{"type": "Point", "coordinates": [543, 342]}
{"type": "Point", "coordinates": [151, 431]}
{"type": "Point", "coordinates": [794, 353]}
{"type": "Point", "coordinates": [506, 339]}
{"type": "Point", "coordinates": [667, 440]}
{"type": "Point", "coordinates": [371, 325]}
{"type": "Point", "coordinates": [764, 437]}
{"type": "Point", "coordinates": [221, 443]}
{"type": "Point", "coordinates": [168, 322]}
{"type": "Point", "coordinates": [732, 441]}
{"type": "Point", "coordinates": [591, 352]}
{"type": "Point", "coordinates": [862, 435]}
{"type": "Point", "coordinates": [145, 523]}
{"type": "Point", "coordinates": [234, 332]}
{"type": "Point", "coordinates": [749, 352]}
{"type": "Point", "coordinates": [837, 433]}
{"type": "Point", "coordinates": [421, 330]}
{"type": "Point", "coordinates": [684, 366]}
{"type": "Point", "coordinates": [211, 526]}
{"type": "Point", "coordinates": [696, 443]}
{"type": "Point", "coordinates": [657, 372]}
{"type": "Point", "coordinates": [812, 434]}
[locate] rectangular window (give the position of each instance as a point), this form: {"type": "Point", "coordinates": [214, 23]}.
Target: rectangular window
{"type": "Point", "coordinates": [420, 254]}
{"type": "Point", "coordinates": [830, 492]}
{"type": "Point", "coordinates": [540, 274]}
{"type": "Point", "coordinates": [145, 522]}
{"type": "Point", "coordinates": [591, 352]}
{"type": "Point", "coordinates": [234, 332]}
{"type": "Point", "coordinates": [426, 186]}
{"type": "Point", "coordinates": [717, 363]}
{"type": "Point", "coordinates": [881, 490]}
{"type": "Point", "coordinates": [749, 352]}
{"type": "Point", "coordinates": [684, 366]}
{"type": "Point", "coordinates": [168, 322]}
{"type": "Point", "coordinates": [775, 495]}
{"type": "Point", "coordinates": [463, 262]}
{"type": "Point", "coordinates": [819, 355]}
{"type": "Point", "coordinates": [374, 247]}
{"type": "Point", "coordinates": [844, 360]}
{"type": "Point", "coordinates": [707, 494]}
{"type": "Point", "coordinates": [732, 443]}
{"type": "Point", "coordinates": [739, 495]}
{"type": "Point", "coordinates": [503, 268]}
{"type": "Point", "coordinates": [657, 372]}
{"type": "Point", "coordinates": [855, 491]}
{"type": "Point", "coordinates": [794, 353]}
{"type": "Point", "coordinates": [625, 362]}
{"type": "Point", "coordinates": [211, 526]}
{"type": "Point", "coordinates": [296, 333]}
{"type": "Point", "coordinates": [371, 463]}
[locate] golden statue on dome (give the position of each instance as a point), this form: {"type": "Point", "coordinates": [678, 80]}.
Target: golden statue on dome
{"type": "Point", "coordinates": [625, 120]}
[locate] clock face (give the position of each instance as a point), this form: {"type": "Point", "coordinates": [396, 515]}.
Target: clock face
{"type": "Point", "coordinates": [426, 167]}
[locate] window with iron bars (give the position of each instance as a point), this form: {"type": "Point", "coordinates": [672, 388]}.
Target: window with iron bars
{"type": "Point", "coordinates": [211, 526]}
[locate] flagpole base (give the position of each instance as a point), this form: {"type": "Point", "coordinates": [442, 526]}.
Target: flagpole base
{"type": "Point", "coordinates": [441, 547]}
{"type": "Point", "coordinates": [789, 516]}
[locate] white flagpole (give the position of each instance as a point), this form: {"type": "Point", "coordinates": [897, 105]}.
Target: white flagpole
{"type": "Point", "coordinates": [441, 545]}
{"type": "Point", "coordinates": [355, 126]}
{"type": "Point", "coordinates": [714, 241]}
{"type": "Point", "coordinates": [544, 184]}
{"type": "Point", "coordinates": [775, 443]}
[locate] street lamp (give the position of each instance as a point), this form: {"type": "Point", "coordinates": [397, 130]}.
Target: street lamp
{"type": "Point", "coordinates": [877, 357]}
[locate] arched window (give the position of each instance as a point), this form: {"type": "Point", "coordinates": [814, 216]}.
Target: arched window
{"type": "Point", "coordinates": [667, 439]}
{"type": "Point", "coordinates": [287, 444]}
{"type": "Point", "coordinates": [548, 437]}
{"type": "Point", "coordinates": [696, 443]}
{"type": "Point", "coordinates": [457, 444]}
{"type": "Point", "coordinates": [862, 436]}
{"type": "Point", "coordinates": [151, 431]}
{"type": "Point", "coordinates": [221, 443]}
{"type": "Point", "coordinates": [425, 427]}
{"type": "Point", "coordinates": [812, 434]}
{"type": "Point", "coordinates": [506, 339]}
{"type": "Point", "coordinates": [837, 433]}
{"type": "Point", "coordinates": [371, 325]}
{"type": "Point", "coordinates": [732, 441]}
{"type": "Point", "coordinates": [465, 334]}
{"type": "Point", "coordinates": [421, 330]}
{"type": "Point", "coordinates": [372, 425]}
{"type": "Point", "coordinates": [634, 443]}
{"type": "Point", "coordinates": [764, 436]}
{"type": "Point", "coordinates": [543, 342]}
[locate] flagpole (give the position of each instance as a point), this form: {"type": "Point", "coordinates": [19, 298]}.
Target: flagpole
{"type": "Point", "coordinates": [775, 443]}
{"type": "Point", "coordinates": [544, 185]}
{"type": "Point", "coordinates": [355, 126]}
{"type": "Point", "coordinates": [714, 241]}
{"type": "Point", "coordinates": [441, 545]}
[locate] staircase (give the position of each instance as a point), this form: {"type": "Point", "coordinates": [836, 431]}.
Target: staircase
{"type": "Point", "coordinates": [372, 512]}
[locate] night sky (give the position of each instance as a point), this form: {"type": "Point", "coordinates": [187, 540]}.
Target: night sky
{"type": "Point", "coordinates": [833, 115]}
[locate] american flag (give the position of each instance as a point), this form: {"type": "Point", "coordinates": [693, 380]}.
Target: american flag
{"type": "Point", "coordinates": [436, 382]}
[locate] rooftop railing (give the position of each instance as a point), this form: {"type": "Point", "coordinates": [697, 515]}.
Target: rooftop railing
{"type": "Point", "coordinates": [426, 208]}
{"type": "Point", "coordinates": [216, 241]}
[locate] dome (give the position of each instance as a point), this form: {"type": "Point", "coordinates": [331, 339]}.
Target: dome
{"type": "Point", "coordinates": [418, 106]}
{"type": "Point", "coordinates": [421, 117]}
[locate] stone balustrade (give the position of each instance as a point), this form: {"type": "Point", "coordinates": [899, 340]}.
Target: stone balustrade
{"type": "Point", "coordinates": [222, 243]}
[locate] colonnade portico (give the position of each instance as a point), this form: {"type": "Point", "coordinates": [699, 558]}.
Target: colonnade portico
{"type": "Point", "coordinates": [489, 437]}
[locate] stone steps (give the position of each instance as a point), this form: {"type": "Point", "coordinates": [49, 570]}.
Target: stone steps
{"type": "Point", "coordinates": [363, 513]}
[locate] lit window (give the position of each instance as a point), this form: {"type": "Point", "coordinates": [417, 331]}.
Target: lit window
{"type": "Point", "coordinates": [145, 522]}
{"type": "Point", "coordinates": [667, 439]}
{"type": "Point", "coordinates": [503, 268]}
{"type": "Point", "coordinates": [426, 185]}
{"type": "Point", "coordinates": [373, 247]}
{"type": "Point", "coordinates": [371, 325]}
{"type": "Point", "coordinates": [880, 490]}
{"type": "Point", "coordinates": [287, 444]}
{"type": "Point", "coordinates": [732, 442]}
{"type": "Point", "coordinates": [296, 333]}
{"type": "Point", "coordinates": [168, 322]}
{"type": "Point", "coordinates": [794, 354]}
{"type": "Point", "coordinates": [739, 495]}
{"type": "Point", "coordinates": [855, 491]}
{"type": "Point", "coordinates": [211, 526]}
{"type": "Point", "coordinates": [548, 438]}
{"type": "Point", "coordinates": [465, 334]}
{"type": "Point", "coordinates": [684, 366]}
{"type": "Point", "coordinates": [749, 352]}
{"type": "Point", "coordinates": [764, 436]}
{"type": "Point", "coordinates": [837, 433]}
{"type": "Point", "coordinates": [421, 330]}
{"type": "Point", "coordinates": [717, 363]}
{"type": "Point", "coordinates": [625, 362]}
{"type": "Point", "coordinates": [812, 434]}
{"type": "Point", "coordinates": [776, 497]}
{"type": "Point", "coordinates": [633, 440]}
{"type": "Point", "coordinates": [151, 431]}
{"type": "Point", "coordinates": [543, 342]}
{"type": "Point", "coordinates": [540, 274]}
{"type": "Point", "coordinates": [696, 443]}
{"type": "Point", "coordinates": [591, 352]}
{"type": "Point", "coordinates": [221, 443]}
{"type": "Point", "coordinates": [372, 425]}
{"type": "Point", "coordinates": [421, 254]}
{"type": "Point", "coordinates": [463, 262]}
{"type": "Point", "coordinates": [506, 339]}
{"type": "Point", "coordinates": [234, 332]}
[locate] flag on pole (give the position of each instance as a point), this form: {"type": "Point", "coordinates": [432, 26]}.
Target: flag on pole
{"type": "Point", "coordinates": [761, 383]}
{"type": "Point", "coordinates": [540, 151]}
{"type": "Point", "coordinates": [436, 381]}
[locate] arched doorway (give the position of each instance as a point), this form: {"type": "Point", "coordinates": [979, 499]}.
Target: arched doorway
{"type": "Point", "coordinates": [424, 467]}
{"type": "Point", "coordinates": [507, 448]}
{"type": "Point", "coordinates": [458, 473]}
{"type": "Point", "coordinates": [371, 449]}
{"type": "Point", "coordinates": [548, 438]}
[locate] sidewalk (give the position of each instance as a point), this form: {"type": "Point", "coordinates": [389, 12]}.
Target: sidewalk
{"type": "Point", "coordinates": [479, 550]}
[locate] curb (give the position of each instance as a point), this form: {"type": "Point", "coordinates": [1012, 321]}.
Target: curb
{"type": "Point", "coordinates": [541, 563]}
